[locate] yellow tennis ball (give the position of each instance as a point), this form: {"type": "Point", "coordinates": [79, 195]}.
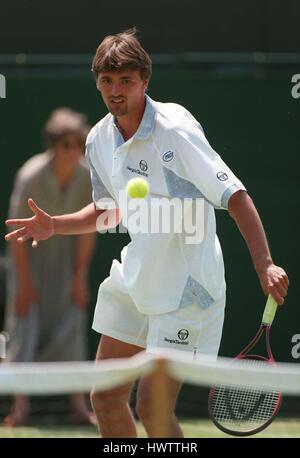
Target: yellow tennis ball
{"type": "Point", "coordinates": [137, 188]}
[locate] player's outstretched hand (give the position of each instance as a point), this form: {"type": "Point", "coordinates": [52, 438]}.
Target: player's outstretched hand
{"type": "Point", "coordinates": [274, 281]}
{"type": "Point", "coordinates": [39, 227]}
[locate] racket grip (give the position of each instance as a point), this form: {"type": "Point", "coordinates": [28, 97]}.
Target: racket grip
{"type": "Point", "coordinates": [270, 310]}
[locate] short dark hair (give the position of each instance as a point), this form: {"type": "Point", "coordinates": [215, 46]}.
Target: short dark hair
{"type": "Point", "coordinates": [63, 121]}
{"type": "Point", "coordinates": [120, 52]}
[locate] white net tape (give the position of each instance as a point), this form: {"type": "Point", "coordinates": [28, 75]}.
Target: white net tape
{"type": "Point", "coordinates": [284, 377]}
{"type": "Point", "coordinates": [72, 377]}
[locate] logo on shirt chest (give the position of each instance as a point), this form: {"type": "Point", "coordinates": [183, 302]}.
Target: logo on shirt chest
{"type": "Point", "coordinates": [183, 334]}
{"type": "Point", "coordinates": [168, 156]}
{"type": "Point", "coordinates": [143, 167]}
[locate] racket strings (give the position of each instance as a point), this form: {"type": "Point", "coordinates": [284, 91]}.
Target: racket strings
{"type": "Point", "coordinates": [243, 408]}
{"type": "Point", "coordinates": [244, 405]}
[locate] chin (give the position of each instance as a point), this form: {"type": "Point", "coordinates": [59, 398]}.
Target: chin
{"type": "Point", "coordinates": [118, 111]}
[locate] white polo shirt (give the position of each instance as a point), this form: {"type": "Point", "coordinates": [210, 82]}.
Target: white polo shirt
{"type": "Point", "coordinates": [162, 272]}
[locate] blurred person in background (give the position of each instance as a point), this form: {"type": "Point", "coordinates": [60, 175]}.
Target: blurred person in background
{"type": "Point", "coordinates": [47, 287]}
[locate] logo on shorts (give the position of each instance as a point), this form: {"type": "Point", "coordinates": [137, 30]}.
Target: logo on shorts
{"type": "Point", "coordinates": [222, 176]}
{"type": "Point", "coordinates": [168, 156]}
{"type": "Point", "coordinates": [183, 334]}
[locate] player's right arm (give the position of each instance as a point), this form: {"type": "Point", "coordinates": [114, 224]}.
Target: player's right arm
{"type": "Point", "coordinates": [42, 226]}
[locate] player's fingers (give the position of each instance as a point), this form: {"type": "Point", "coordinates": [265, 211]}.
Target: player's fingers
{"type": "Point", "coordinates": [34, 244]}
{"type": "Point", "coordinates": [276, 294]}
{"type": "Point", "coordinates": [15, 234]}
{"type": "Point", "coordinates": [20, 232]}
{"type": "Point", "coordinates": [23, 239]}
{"type": "Point", "coordinates": [278, 299]}
{"type": "Point", "coordinates": [33, 206]}
{"type": "Point", "coordinates": [16, 222]}
{"type": "Point", "coordinates": [285, 279]}
{"type": "Point", "coordinates": [283, 285]}
{"type": "Point", "coordinates": [281, 288]}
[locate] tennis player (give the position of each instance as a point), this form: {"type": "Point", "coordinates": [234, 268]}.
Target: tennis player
{"type": "Point", "coordinates": [165, 293]}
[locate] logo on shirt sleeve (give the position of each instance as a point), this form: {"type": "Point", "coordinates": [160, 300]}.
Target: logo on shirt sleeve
{"type": "Point", "coordinates": [222, 176]}
{"type": "Point", "coordinates": [168, 156]}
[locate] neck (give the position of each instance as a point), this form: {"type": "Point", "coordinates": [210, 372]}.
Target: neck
{"type": "Point", "coordinates": [129, 124]}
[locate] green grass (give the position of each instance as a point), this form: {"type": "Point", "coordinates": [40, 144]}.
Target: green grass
{"type": "Point", "coordinates": [288, 428]}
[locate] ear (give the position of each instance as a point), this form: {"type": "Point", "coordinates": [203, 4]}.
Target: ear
{"type": "Point", "coordinates": [98, 83]}
{"type": "Point", "coordinates": [146, 83]}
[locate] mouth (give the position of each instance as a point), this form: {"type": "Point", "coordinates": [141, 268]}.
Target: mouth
{"type": "Point", "coordinates": [117, 101]}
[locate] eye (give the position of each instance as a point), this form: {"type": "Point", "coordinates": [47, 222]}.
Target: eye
{"type": "Point", "coordinates": [104, 81]}
{"type": "Point", "coordinates": [126, 81]}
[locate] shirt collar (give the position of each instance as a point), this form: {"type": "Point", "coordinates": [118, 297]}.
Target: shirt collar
{"type": "Point", "coordinates": [147, 122]}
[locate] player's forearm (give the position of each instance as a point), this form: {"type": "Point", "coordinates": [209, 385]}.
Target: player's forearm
{"type": "Point", "coordinates": [81, 222]}
{"type": "Point", "coordinates": [243, 211]}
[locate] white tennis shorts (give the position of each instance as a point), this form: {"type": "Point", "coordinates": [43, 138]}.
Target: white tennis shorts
{"type": "Point", "coordinates": [191, 329]}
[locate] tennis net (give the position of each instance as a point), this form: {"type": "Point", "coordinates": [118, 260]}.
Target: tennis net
{"type": "Point", "coordinates": [68, 377]}
{"type": "Point", "coordinates": [36, 379]}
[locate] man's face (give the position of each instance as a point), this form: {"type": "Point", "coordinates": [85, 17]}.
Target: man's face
{"type": "Point", "coordinates": [122, 91]}
{"type": "Point", "coordinates": [69, 149]}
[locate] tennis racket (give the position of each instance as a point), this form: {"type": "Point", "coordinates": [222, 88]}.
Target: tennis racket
{"type": "Point", "coordinates": [241, 410]}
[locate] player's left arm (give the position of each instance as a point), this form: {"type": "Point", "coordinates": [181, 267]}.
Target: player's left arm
{"type": "Point", "coordinates": [273, 279]}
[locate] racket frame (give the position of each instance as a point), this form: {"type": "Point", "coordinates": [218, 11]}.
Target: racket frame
{"type": "Point", "coordinates": [268, 316]}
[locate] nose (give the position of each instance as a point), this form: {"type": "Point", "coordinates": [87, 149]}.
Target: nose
{"type": "Point", "coordinates": [115, 89]}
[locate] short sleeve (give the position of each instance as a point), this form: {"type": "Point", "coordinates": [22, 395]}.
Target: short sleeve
{"type": "Point", "coordinates": [99, 192]}
{"type": "Point", "coordinates": [196, 162]}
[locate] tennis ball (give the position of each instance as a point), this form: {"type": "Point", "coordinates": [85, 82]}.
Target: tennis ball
{"type": "Point", "coordinates": [137, 188]}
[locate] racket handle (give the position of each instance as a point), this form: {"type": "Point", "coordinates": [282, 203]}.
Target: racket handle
{"type": "Point", "coordinates": [270, 310]}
